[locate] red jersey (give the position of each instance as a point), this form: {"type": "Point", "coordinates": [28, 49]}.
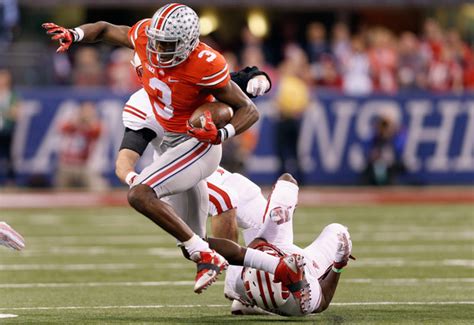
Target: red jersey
{"type": "Point", "coordinates": [177, 91]}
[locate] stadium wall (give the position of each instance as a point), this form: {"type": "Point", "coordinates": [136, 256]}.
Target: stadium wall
{"type": "Point", "coordinates": [439, 147]}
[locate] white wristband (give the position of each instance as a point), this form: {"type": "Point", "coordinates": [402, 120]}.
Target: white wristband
{"type": "Point", "coordinates": [80, 34]}
{"type": "Point", "coordinates": [130, 177]}
{"type": "Point", "coordinates": [227, 132]}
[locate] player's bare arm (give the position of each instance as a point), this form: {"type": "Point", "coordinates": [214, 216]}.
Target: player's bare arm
{"type": "Point", "coordinates": [134, 143]}
{"type": "Point", "coordinates": [245, 111]}
{"type": "Point", "coordinates": [224, 225]}
{"type": "Point", "coordinates": [106, 32]}
{"type": "Point", "coordinates": [328, 288]}
{"type": "Point", "coordinates": [100, 31]}
{"type": "Point", "coordinates": [125, 165]}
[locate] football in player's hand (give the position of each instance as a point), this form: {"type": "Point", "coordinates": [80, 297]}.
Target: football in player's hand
{"type": "Point", "coordinates": [221, 114]}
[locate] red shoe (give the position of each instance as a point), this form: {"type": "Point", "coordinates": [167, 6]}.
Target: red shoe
{"type": "Point", "coordinates": [209, 266]}
{"type": "Point", "coordinates": [290, 272]}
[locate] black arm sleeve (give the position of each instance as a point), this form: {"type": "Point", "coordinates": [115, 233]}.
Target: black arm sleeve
{"type": "Point", "coordinates": [242, 77]}
{"type": "Point", "coordinates": [137, 140]}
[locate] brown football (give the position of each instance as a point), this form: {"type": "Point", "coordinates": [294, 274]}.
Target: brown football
{"type": "Point", "coordinates": [221, 114]}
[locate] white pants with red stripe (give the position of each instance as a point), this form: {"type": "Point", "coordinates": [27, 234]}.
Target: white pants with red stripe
{"type": "Point", "coordinates": [232, 190]}
{"type": "Point", "coordinates": [179, 173]}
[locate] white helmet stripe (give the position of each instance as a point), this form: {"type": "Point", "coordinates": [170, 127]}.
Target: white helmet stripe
{"type": "Point", "coordinates": [157, 15]}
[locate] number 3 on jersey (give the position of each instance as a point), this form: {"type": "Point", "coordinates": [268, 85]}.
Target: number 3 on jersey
{"type": "Point", "coordinates": [166, 111]}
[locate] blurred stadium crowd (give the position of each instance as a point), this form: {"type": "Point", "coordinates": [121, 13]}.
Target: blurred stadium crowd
{"type": "Point", "coordinates": [374, 59]}
{"type": "Point", "coordinates": [355, 59]}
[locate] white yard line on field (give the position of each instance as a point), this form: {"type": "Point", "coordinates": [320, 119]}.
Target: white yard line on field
{"type": "Point", "coordinates": [375, 303]}
{"type": "Point", "coordinates": [90, 267]}
{"type": "Point", "coordinates": [383, 303]}
{"type": "Point", "coordinates": [367, 262]}
{"type": "Point", "coordinates": [400, 262]}
{"type": "Point", "coordinates": [8, 315]}
{"type": "Point", "coordinates": [104, 250]}
{"type": "Point", "coordinates": [173, 252]}
{"type": "Point", "coordinates": [102, 239]}
{"type": "Point", "coordinates": [373, 236]}
{"type": "Point", "coordinates": [393, 281]}
{"type": "Point", "coordinates": [99, 284]}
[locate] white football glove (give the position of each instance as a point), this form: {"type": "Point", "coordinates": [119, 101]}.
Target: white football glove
{"type": "Point", "coordinates": [258, 85]}
{"type": "Point", "coordinates": [10, 238]}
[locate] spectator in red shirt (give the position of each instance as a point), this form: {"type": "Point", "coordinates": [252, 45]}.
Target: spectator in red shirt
{"type": "Point", "coordinates": [432, 44]}
{"type": "Point", "coordinates": [464, 55]}
{"type": "Point", "coordinates": [78, 138]}
{"type": "Point", "coordinates": [444, 73]}
{"type": "Point", "coordinates": [383, 60]}
{"type": "Point", "coordinates": [328, 74]}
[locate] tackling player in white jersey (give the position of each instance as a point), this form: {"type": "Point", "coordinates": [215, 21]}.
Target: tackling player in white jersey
{"type": "Point", "coordinates": [254, 291]}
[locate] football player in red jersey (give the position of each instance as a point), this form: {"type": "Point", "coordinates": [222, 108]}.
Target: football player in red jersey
{"type": "Point", "coordinates": [180, 73]}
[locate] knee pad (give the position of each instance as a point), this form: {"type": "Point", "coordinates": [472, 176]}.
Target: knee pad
{"type": "Point", "coordinates": [336, 228]}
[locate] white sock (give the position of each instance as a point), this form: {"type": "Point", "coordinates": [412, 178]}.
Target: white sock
{"type": "Point", "coordinates": [230, 284]}
{"type": "Point", "coordinates": [196, 244]}
{"type": "Point", "coordinates": [260, 260]}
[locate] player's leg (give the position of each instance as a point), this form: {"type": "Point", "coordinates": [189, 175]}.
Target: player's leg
{"type": "Point", "coordinates": [222, 209]}
{"type": "Point", "coordinates": [277, 227]}
{"type": "Point", "coordinates": [237, 255]}
{"type": "Point", "coordinates": [177, 170]}
{"type": "Point", "coordinates": [224, 225]}
{"type": "Point", "coordinates": [192, 207]}
{"type": "Point", "coordinates": [250, 204]}
{"type": "Point", "coordinates": [322, 250]}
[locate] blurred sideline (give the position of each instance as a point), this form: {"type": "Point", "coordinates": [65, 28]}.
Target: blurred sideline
{"type": "Point", "coordinates": [309, 197]}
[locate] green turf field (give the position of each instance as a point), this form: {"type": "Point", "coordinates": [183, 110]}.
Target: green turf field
{"type": "Point", "coordinates": [415, 265]}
